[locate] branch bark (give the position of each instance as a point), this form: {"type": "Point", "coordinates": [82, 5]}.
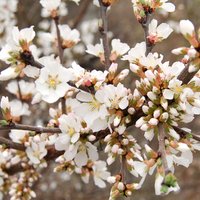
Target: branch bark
{"type": "Point", "coordinates": [38, 130]}
{"type": "Point", "coordinates": [103, 30]}
{"type": "Point", "coordinates": [161, 150]}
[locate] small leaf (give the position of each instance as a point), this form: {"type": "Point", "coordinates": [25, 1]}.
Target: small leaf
{"type": "Point", "coordinates": [4, 123]}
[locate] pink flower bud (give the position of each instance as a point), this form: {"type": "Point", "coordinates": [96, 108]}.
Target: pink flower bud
{"type": "Point", "coordinates": [113, 68]}
{"type": "Point", "coordinates": [120, 186]}
{"type": "Point", "coordinates": [131, 111]}
{"type": "Point", "coordinates": [134, 68]}
{"type": "Point", "coordinates": [153, 121]}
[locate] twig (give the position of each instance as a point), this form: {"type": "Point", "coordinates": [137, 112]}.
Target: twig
{"type": "Point", "coordinates": [63, 106]}
{"type": "Point", "coordinates": [28, 58]}
{"type": "Point", "coordinates": [182, 133]}
{"type": "Point", "coordinates": [81, 13]}
{"type": "Point", "coordinates": [103, 30]}
{"type": "Point", "coordinates": [161, 150]}
{"type": "Point", "coordinates": [20, 97]}
{"type": "Point", "coordinates": [185, 76]}
{"type": "Point", "coordinates": [60, 49]}
{"type": "Point", "coordinates": [11, 144]}
{"type": "Point", "coordinates": [123, 169]}
{"type": "Point", "coordinates": [145, 26]}
{"type": "Point", "coordinates": [38, 130]}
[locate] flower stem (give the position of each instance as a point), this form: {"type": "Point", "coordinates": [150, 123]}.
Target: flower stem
{"type": "Point", "coordinates": [161, 150]}
{"type": "Point", "coordinates": [123, 169]}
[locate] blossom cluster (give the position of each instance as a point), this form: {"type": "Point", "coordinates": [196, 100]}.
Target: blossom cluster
{"type": "Point", "coordinates": [96, 106]}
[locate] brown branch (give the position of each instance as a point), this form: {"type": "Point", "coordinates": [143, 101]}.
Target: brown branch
{"type": "Point", "coordinates": [11, 144]}
{"type": "Point", "coordinates": [183, 133]}
{"type": "Point", "coordinates": [81, 13]}
{"type": "Point", "coordinates": [123, 169]}
{"type": "Point", "coordinates": [161, 150]}
{"type": "Point", "coordinates": [103, 30]}
{"type": "Point", "coordinates": [60, 49]}
{"type": "Point", "coordinates": [28, 58]}
{"type": "Point", "coordinates": [38, 130]}
{"type": "Point", "coordinates": [185, 76]}
{"type": "Point", "coordinates": [145, 26]}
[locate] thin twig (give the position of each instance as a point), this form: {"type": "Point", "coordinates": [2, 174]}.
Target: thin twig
{"type": "Point", "coordinates": [185, 76]}
{"type": "Point", "coordinates": [103, 30]}
{"type": "Point", "coordinates": [145, 26]}
{"type": "Point", "coordinates": [11, 144]}
{"type": "Point", "coordinates": [81, 13]}
{"type": "Point", "coordinates": [63, 105]}
{"type": "Point", "coordinates": [28, 58]}
{"type": "Point", "coordinates": [60, 49]}
{"type": "Point", "coordinates": [123, 169]}
{"type": "Point", "coordinates": [161, 150]}
{"type": "Point", "coordinates": [38, 130]}
{"type": "Point", "coordinates": [182, 133]}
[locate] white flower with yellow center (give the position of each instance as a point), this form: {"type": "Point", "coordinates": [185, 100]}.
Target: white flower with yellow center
{"type": "Point", "coordinates": [115, 97]}
{"type": "Point", "coordinates": [70, 126]}
{"type": "Point", "coordinates": [93, 108]}
{"type": "Point", "coordinates": [175, 89]}
{"type": "Point", "coordinates": [36, 152]}
{"type": "Point", "coordinates": [52, 82]}
{"type": "Point", "coordinates": [151, 61]}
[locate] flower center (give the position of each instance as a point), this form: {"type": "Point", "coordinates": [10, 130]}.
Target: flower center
{"type": "Point", "coordinates": [94, 105]}
{"type": "Point", "coordinates": [37, 153]}
{"type": "Point", "coordinates": [82, 149]}
{"type": "Point", "coordinates": [52, 81]}
{"type": "Point", "coordinates": [178, 89]}
{"type": "Point", "coordinates": [70, 130]}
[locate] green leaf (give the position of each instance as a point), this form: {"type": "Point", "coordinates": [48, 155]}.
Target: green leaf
{"type": "Point", "coordinates": [4, 123]}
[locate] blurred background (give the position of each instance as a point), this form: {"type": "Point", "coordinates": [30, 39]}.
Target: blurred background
{"type": "Point", "coordinates": [121, 24]}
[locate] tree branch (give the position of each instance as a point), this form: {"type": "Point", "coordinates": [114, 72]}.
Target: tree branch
{"type": "Point", "coordinates": [185, 76]}
{"type": "Point", "coordinates": [103, 30]}
{"type": "Point", "coordinates": [123, 169]}
{"type": "Point", "coordinates": [11, 144]}
{"type": "Point", "coordinates": [183, 133]}
{"type": "Point", "coordinates": [81, 13]}
{"type": "Point", "coordinates": [161, 150]}
{"type": "Point", "coordinates": [28, 58]}
{"type": "Point", "coordinates": [145, 26]}
{"type": "Point", "coordinates": [38, 130]}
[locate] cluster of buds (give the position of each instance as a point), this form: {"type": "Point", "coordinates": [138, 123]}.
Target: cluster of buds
{"type": "Point", "coordinates": [118, 78]}
{"type": "Point", "coordinates": [19, 191]}
{"type": "Point", "coordinates": [119, 188]}
{"type": "Point", "coordinates": [143, 7]}
{"type": "Point", "coordinates": [192, 53]}
{"type": "Point", "coordinates": [68, 166]}
{"type": "Point", "coordinates": [5, 108]}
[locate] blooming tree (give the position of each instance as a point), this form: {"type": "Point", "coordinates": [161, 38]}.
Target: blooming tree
{"type": "Point", "coordinates": [91, 106]}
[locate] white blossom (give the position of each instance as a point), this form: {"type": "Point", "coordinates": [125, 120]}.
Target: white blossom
{"type": "Point", "coordinates": [100, 172]}
{"type": "Point", "coordinates": [52, 82]}
{"type": "Point", "coordinates": [36, 152]}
